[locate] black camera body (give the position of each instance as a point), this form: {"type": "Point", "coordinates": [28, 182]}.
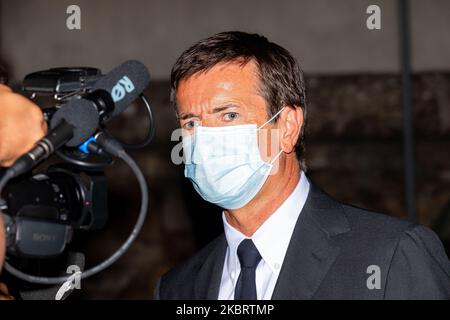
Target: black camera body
{"type": "Point", "coordinates": [42, 211]}
{"type": "Point", "coordinates": [61, 81]}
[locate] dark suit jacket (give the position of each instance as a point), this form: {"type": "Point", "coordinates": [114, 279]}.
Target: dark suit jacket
{"type": "Point", "coordinates": [330, 250]}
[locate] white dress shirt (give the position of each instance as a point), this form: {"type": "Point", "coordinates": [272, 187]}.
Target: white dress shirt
{"type": "Point", "coordinates": [271, 239]}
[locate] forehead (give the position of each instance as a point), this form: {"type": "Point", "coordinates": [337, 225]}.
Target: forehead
{"type": "Point", "coordinates": [223, 81]}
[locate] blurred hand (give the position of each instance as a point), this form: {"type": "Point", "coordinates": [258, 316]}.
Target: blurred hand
{"type": "Point", "coordinates": [21, 125]}
{"type": "Point", "coordinates": [4, 293]}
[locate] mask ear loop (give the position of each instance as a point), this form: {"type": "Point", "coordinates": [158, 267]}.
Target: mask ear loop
{"type": "Point", "coordinates": [276, 114]}
{"type": "Point", "coordinates": [276, 157]}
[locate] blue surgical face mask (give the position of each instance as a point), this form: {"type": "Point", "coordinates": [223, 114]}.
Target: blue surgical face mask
{"type": "Point", "coordinates": [224, 163]}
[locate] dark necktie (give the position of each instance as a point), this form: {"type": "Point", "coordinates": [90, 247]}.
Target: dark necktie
{"type": "Point", "coordinates": [249, 258]}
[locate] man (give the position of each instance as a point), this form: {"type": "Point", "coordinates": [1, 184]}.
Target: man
{"type": "Point", "coordinates": [284, 238]}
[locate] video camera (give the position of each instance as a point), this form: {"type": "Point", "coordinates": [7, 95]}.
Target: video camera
{"type": "Point", "coordinates": [43, 211]}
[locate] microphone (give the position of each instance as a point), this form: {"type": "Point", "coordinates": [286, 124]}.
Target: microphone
{"type": "Point", "coordinates": [110, 95]}
{"type": "Point", "coordinates": [78, 119]}
{"type": "Point", "coordinates": [124, 84]}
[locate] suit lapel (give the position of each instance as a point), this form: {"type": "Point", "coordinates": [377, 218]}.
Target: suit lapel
{"type": "Point", "coordinates": [207, 283]}
{"type": "Point", "coordinates": [311, 252]}
{"type": "Point", "coordinates": [312, 249]}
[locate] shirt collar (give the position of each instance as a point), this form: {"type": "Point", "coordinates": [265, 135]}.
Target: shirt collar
{"type": "Point", "coordinates": [273, 236]}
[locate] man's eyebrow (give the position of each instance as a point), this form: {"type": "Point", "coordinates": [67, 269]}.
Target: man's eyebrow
{"type": "Point", "coordinates": [219, 109]}
{"type": "Point", "coordinates": [184, 116]}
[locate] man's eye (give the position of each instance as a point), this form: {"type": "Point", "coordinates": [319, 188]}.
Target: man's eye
{"type": "Point", "coordinates": [190, 124]}
{"type": "Point", "coordinates": [230, 116]}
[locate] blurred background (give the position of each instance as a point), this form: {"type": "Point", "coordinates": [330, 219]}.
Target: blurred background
{"type": "Point", "coordinates": [359, 116]}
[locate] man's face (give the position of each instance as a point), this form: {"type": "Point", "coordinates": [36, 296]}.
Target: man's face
{"type": "Point", "coordinates": [227, 94]}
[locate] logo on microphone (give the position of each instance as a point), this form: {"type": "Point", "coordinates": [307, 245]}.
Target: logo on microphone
{"type": "Point", "coordinates": [123, 86]}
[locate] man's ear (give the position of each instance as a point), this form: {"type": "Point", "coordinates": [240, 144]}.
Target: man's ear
{"type": "Point", "coordinates": [291, 122]}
